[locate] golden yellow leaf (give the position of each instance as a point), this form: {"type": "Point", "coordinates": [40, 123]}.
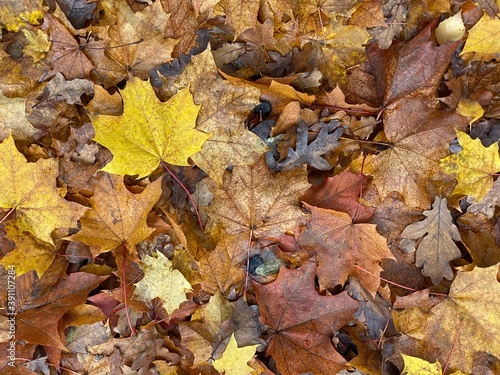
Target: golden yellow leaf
{"type": "Point", "coordinates": [30, 189]}
{"type": "Point", "coordinates": [473, 166]}
{"type": "Point", "coordinates": [234, 360]}
{"type": "Point", "coordinates": [161, 280]}
{"type": "Point", "coordinates": [470, 109]}
{"type": "Point", "coordinates": [149, 131]}
{"type": "Point", "coordinates": [417, 366]}
{"type": "Point", "coordinates": [29, 254]}
{"type": "Point", "coordinates": [240, 14]}
{"type": "Point", "coordinates": [15, 14]}
{"type": "Point", "coordinates": [117, 216]}
{"type": "Point", "coordinates": [38, 45]}
{"type": "Point", "coordinates": [484, 37]}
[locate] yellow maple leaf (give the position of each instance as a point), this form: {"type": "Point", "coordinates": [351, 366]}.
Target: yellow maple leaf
{"type": "Point", "coordinates": [484, 36]}
{"type": "Point", "coordinates": [234, 360]}
{"type": "Point", "coordinates": [29, 253]}
{"type": "Point", "coordinates": [117, 216]}
{"type": "Point", "coordinates": [160, 280]}
{"type": "Point", "coordinates": [149, 131]}
{"type": "Point", "coordinates": [30, 189]}
{"type": "Point", "coordinates": [473, 166]}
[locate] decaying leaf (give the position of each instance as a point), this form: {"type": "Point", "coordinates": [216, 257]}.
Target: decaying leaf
{"type": "Point", "coordinates": [310, 154]}
{"type": "Point", "coordinates": [254, 201]}
{"type": "Point", "coordinates": [437, 248]}
{"type": "Point", "coordinates": [464, 320]}
{"type": "Point", "coordinates": [303, 321]}
{"type": "Point", "coordinates": [161, 280]}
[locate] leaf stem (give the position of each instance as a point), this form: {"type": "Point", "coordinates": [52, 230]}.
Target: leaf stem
{"type": "Point", "coordinates": [124, 282]}
{"type": "Point", "coordinates": [164, 165]}
{"type": "Point", "coordinates": [6, 216]}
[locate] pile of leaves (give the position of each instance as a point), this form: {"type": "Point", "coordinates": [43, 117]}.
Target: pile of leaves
{"type": "Point", "coordinates": [249, 187]}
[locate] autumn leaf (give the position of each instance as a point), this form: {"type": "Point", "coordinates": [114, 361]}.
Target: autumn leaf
{"type": "Point", "coordinates": [161, 280]}
{"type": "Point", "coordinates": [234, 359]}
{"type": "Point", "coordinates": [117, 216]}
{"type": "Point", "coordinates": [483, 37]}
{"type": "Point", "coordinates": [131, 43]}
{"type": "Point", "coordinates": [13, 111]}
{"type": "Point", "coordinates": [32, 192]}
{"type": "Point", "coordinates": [406, 166]}
{"type": "Point", "coordinates": [254, 201]}
{"type": "Point", "coordinates": [473, 166]}
{"type": "Point", "coordinates": [240, 15]}
{"type": "Point", "coordinates": [340, 193]}
{"type": "Point", "coordinates": [465, 320]}
{"type": "Point", "coordinates": [303, 321]}
{"type": "Point", "coordinates": [149, 131]}
{"type": "Point", "coordinates": [437, 248]}
{"type": "Point", "coordinates": [231, 143]}
{"type": "Point", "coordinates": [29, 253]}
{"type": "Point", "coordinates": [38, 315]}
{"type": "Point", "coordinates": [16, 14]}
{"type": "Point", "coordinates": [341, 246]}
{"type": "Point", "coordinates": [417, 366]}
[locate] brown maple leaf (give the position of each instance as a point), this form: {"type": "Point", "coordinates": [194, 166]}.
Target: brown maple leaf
{"type": "Point", "coordinates": [252, 200]}
{"type": "Point", "coordinates": [303, 322]}
{"type": "Point", "coordinates": [406, 166]}
{"type": "Point", "coordinates": [342, 246]}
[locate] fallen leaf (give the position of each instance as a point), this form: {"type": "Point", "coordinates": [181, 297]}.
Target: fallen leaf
{"type": "Point", "coordinates": [149, 131]}
{"type": "Point", "coordinates": [473, 166]}
{"type": "Point", "coordinates": [464, 321]}
{"type": "Point", "coordinates": [487, 205]}
{"type": "Point", "coordinates": [234, 359]}
{"type": "Point", "coordinates": [161, 280]}
{"type": "Point", "coordinates": [13, 111]}
{"type": "Point", "coordinates": [483, 37]}
{"type": "Point", "coordinates": [341, 193]}
{"type": "Point", "coordinates": [240, 15]}
{"type": "Point", "coordinates": [58, 89]}
{"type": "Point", "coordinates": [16, 14]}
{"type": "Point", "coordinates": [38, 45]}
{"type": "Point", "coordinates": [117, 216]}
{"type": "Point", "coordinates": [254, 201]}
{"type": "Point", "coordinates": [437, 248]}
{"type": "Point", "coordinates": [341, 246]}
{"type": "Point", "coordinates": [303, 322]}
{"type": "Point", "coordinates": [450, 30]}
{"type": "Point", "coordinates": [310, 154]}
{"type": "Point", "coordinates": [32, 192]}
{"type": "Point", "coordinates": [417, 366]}
{"type": "Point", "coordinates": [406, 166]}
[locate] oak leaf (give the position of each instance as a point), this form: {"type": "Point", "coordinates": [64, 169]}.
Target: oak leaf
{"type": "Point", "coordinates": [465, 320]}
{"type": "Point", "coordinates": [437, 248]}
{"type": "Point", "coordinates": [473, 166]}
{"type": "Point", "coordinates": [149, 131]}
{"type": "Point", "coordinates": [303, 321]}
{"type": "Point", "coordinates": [406, 166]}
{"type": "Point", "coordinates": [253, 201]}
{"type": "Point", "coordinates": [117, 216]}
{"type": "Point", "coordinates": [342, 246]}
{"type": "Point", "coordinates": [32, 192]}
{"type": "Point", "coordinates": [310, 154]}
{"type": "Point", "coordinates": [160, 280]}
{"type": "Point", "coordinates": [234, 359]}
